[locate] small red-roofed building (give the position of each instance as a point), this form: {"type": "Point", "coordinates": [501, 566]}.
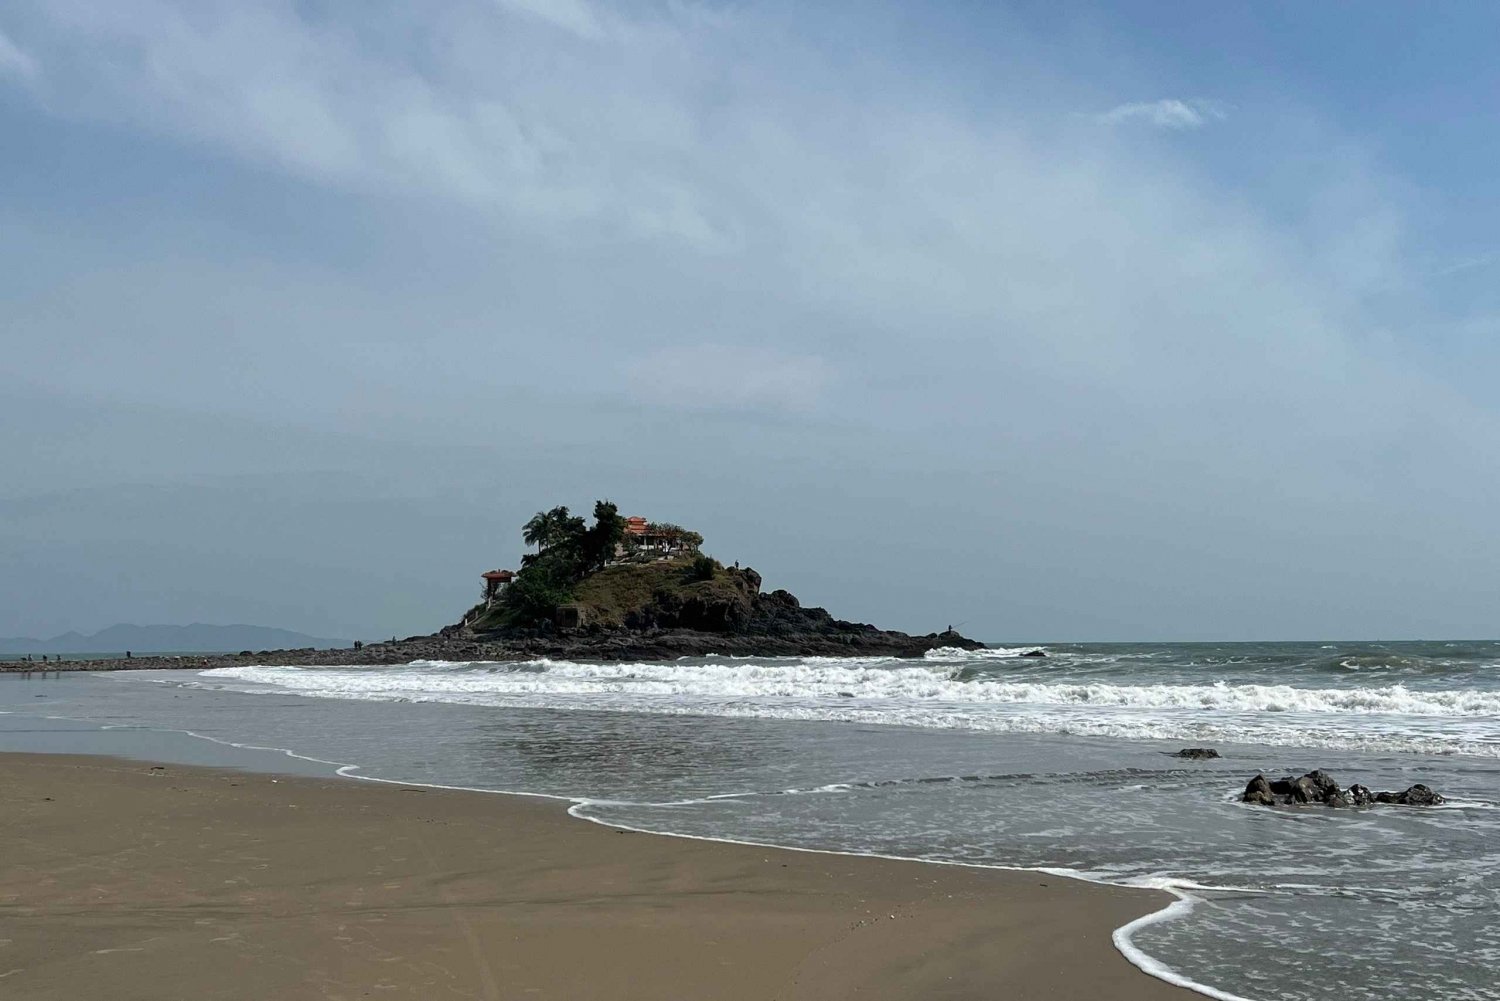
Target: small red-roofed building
{"type": "Point", "coordinates": [495, 582]}
{"type": "Point", "coordinates": [663, 539]}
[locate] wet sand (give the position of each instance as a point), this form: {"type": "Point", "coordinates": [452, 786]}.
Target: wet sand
{"type": "Point", "coordinates": [124, 880]}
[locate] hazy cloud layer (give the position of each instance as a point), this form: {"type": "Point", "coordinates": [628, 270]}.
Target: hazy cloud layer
{"type": "Point", "coordinates": [335, 302]}
{"type": "Point", "coordinates": [14, 62]}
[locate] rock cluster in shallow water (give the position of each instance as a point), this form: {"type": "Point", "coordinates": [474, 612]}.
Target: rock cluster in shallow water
{"type": "Point", "coordinates": [1319, 787]}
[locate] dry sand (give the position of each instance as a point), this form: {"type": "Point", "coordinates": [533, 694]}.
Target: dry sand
{"type": "Point", "coordinates": [121, 881]}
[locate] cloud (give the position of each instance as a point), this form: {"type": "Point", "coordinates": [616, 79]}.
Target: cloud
{"type": "Point", "coordinates": [557, 233]}
{"type": "Point", "coordinates": [14, 61]}
{"type": "Point", "coordinates": [727, 377]}
{"type": "Point", "coordinates": [1168, 113]}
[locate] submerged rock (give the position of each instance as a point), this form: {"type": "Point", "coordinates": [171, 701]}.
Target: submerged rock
{"type": "Point", "coordinates": [1319, 787]}
{"type": "Point", "coordinates": [1196, 753]}
{"type": "Point", "coordinates": [1034, 653]}
{"type": "Point", "coordinates": [1417, 795]}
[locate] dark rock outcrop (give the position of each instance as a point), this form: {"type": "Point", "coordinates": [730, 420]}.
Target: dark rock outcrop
{"type": "Point", "coordinates": [1417, 795]}
{"type": "Point", "coordinates": [1034, 653]}
{"type": "Point", "coordinates": [1318, 787]}
{"type": "Point", "coordinates": [654, 612]}
{"type": "Point", "coordinates": [1196, 753]}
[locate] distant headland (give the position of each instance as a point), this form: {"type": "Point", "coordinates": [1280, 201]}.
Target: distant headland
{"type": "Point", "coordinates": [619, 588]}
{"type": "Point", "coordinates": [198, 637]}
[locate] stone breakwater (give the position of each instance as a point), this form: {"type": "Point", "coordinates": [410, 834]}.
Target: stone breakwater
{"type": "Point", "coordinates": [453, 644]}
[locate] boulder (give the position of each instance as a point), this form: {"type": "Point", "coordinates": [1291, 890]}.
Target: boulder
{"type": "Point", "coordinates": [1034, 653]}
{"type": "Point", "coordinates": [1417, 795]}
{"type": "Point", "coordinates": [1196, 753]}
{"type": "Point", "coordinates": [1316, 787]}
{"type": "Point", "coordinates": [1259, 792]}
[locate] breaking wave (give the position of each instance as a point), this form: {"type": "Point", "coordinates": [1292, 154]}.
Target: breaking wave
{"type": "Point", "coordinates": [938, 692]}
{"type": "Point", "coordinates": [818, 679]}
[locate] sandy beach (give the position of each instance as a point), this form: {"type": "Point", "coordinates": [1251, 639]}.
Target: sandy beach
{"type": "Point", "coordinates": [127, 880]}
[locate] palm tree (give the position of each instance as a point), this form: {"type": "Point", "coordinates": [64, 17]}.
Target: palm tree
{"type": "Point", "coordinates": [535, 531]}
{"type": "Point", "coordinates": [545, 527]}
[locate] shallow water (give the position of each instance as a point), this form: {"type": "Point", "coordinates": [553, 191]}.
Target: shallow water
{"type": "Point", "coordinates": [991, 759]}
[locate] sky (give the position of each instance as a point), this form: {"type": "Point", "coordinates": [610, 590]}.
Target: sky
{"type": "Point", "coordinates": [1053, 321]}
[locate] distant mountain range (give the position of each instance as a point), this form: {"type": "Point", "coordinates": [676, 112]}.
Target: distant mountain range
{"type": "Point", "coordinates": [196, 638]}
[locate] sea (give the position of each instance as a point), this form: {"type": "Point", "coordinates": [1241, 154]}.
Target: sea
{"type": "Point", "coordinates": [1062, 764]}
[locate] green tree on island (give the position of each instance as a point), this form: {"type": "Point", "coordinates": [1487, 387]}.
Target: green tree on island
{"type": "Point", "coordinates": [568, 550]}
{"type": "Point", "coordinates": [599, 541]}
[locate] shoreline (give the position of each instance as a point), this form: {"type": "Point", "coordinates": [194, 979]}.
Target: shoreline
{"type": "Point", "coordinates": [865, 925]}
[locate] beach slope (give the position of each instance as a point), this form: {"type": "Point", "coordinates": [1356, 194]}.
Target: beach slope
{"type": "Point", "coordinates": [126, 880]}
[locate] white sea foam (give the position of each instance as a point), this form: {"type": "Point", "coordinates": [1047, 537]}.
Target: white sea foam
{"type": "Point", "coordinates": [931, 693]}
{"type": "Point", "coordinates": [952, 653]}
{"type": "Point", "coordinates": [1123, 939]}
{"type": "Point", "coordinates": [826, 677]}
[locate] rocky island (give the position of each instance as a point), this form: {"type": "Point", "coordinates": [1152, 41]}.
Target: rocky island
{"type": "Point", "coordinates": [617, 589]}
